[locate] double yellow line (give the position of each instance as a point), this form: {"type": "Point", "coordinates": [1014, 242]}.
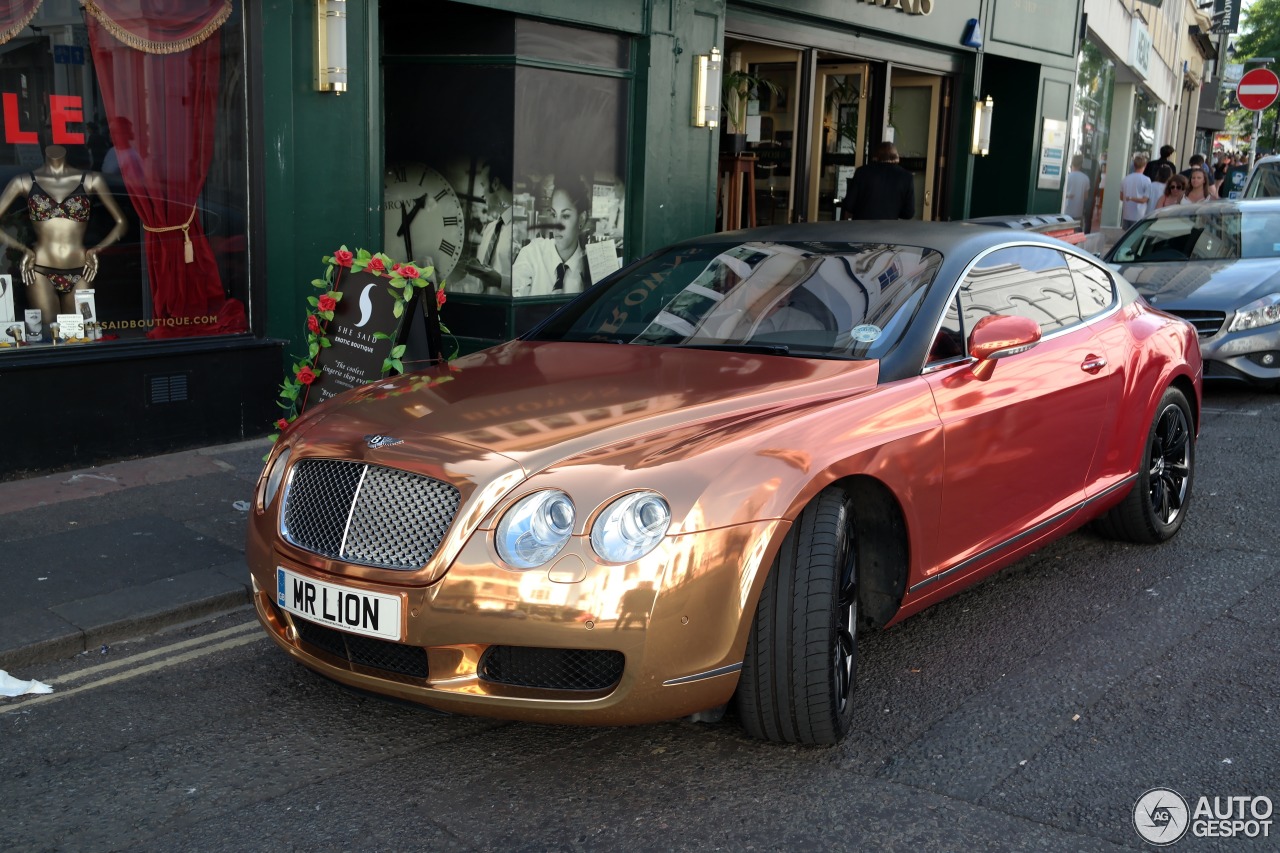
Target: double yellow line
{"type": "Point", "coordinates": [174, 654]}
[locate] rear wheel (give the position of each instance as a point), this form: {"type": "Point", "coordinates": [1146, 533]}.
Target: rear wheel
{"type": "Point", "coordinates": [1156, 507]}
{"type": "Point", "coordinates": [797, 677]}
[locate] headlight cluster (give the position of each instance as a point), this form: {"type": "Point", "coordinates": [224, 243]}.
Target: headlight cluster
{"type": "Point", "coordinates": [275, 477]}
{"type": "Point", "coordinates": [1259, 312]}
{"type": "Point", "coordinates": [533, 531]}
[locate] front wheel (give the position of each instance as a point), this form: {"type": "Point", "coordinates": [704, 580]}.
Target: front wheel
{"type": "Point", "coordinates": [797, 677]}
{"type": "Point", "coordinates": [1157, 506]}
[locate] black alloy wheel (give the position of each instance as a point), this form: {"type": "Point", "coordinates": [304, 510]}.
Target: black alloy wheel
{"type": "Point", "coordinates": [1156, 507]}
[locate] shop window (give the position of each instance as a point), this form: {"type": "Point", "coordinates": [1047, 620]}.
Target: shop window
{"type": "Point", "coordinates": [520, 204]}
{"type": "Point", "coordinates": [123, 166]}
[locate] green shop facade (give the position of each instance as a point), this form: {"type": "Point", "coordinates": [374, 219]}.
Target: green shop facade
{"type": "Point", "coordinates": [524, 148]}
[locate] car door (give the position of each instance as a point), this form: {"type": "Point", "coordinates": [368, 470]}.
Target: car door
{"type": "Point", "coordinates": [1018, 447]}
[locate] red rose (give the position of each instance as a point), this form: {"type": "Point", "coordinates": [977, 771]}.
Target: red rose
{"type": "Point", "coordinates": [313, 323]}
{"type": "Point", "coordinates": [282, 424]}
{"type": "Point", "coordinates": [440, 297]}
{"type": "Point", "coordinates": [409, 271]}
{"type": "Point", "coordinates": [343, 258]}
{"type": "Point", "coordinates": [396, 266]}
{"type": "Point", "coordinates": [376, 265]}
{"type": "Point", "coordinates": [306, 375]}
{"type": "Point", "coordinates": [327, 302]}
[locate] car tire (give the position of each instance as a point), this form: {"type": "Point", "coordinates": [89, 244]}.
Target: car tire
{"type": "Point", "coordinates": [797, 677]}
{"type": "Point", "coordinates": [1156, 506]}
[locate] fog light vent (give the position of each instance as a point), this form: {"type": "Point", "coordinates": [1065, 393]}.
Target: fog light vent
{"type": "Point", "coordinates": [167, 388]}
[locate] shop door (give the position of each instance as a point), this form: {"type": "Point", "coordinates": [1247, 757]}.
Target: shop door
{"type": "Point", "coordinates": [839, 135]}
{"type": "Point", "coordinates": [914, 115]}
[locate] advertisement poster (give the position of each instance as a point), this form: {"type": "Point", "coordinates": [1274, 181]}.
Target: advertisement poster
{"type": "Point", "coordinates": [529, 204]}
{"type": "Point", "coordinates": [355, 354]}
{"type": "Point", "coordinates": [1053, 147]}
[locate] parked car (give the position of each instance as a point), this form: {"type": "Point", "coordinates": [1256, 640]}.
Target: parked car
{"type": "Point", "coordinates": [730, 457]}
{"type": "Point", "coordinates": [1217, 265]}
{"type": "Point", "coordinates": [1264, 180]}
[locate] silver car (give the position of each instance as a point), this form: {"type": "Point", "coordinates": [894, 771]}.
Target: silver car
{"type": "Point", "coordinates": [1217, 265]}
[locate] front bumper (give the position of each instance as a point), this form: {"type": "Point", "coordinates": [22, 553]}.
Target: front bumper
{"type": "Point", "coordinates": [681, 638]}
{"type": "Point", "coordinates": [1243, 355]}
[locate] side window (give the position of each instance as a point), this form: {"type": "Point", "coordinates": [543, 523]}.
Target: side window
{"type": "Point", "coordinates": [949, 342]}
{"type": "Point", "coordinates": [1025, 281]}
{"type": "Point", "coordinates": [1095, 289]}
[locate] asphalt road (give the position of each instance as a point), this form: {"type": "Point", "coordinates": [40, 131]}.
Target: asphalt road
{"type": "Point", "coordinates": [1029, 713]}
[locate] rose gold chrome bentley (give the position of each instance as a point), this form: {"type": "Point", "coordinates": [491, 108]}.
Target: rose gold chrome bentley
{"type": "Point", "coordinates": [694, 484]}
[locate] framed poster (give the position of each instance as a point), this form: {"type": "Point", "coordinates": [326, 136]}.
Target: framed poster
{"type": "Point", "coordinates": [1053, 150]}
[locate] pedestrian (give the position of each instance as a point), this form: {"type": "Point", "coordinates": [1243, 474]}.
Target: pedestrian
{"type": "Point", "coordinates": [880, 189]}
{"type": "Point", "coordinates": [1196, 163]}
{"type": "Point", "coordinates": [1175, 192]}
{"type": "Point", "coordinates": [1135, 189]}
{"type": "Point", "coordinates": [1200, 187]}
{"type": "Point", "coordinates": [1153, 168]}
{"type": "Point", "coordinates": [1157, 186]}
{"type": "Point", "coordinates": [1077, 190]}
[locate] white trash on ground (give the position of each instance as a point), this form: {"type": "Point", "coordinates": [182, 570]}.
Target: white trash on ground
{"type": "Point", "coordinates": [10, 686]}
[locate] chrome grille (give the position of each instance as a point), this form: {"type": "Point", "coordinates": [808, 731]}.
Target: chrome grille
{"type": "Point", "coordinates": [366, 514]}
{"type": "Point", "coordinates": [1207, 323]}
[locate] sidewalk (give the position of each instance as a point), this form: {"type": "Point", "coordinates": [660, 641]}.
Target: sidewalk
{"type": "Point", "coordinates": [104, 554]}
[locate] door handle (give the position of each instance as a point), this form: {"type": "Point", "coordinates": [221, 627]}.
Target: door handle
{"type": "Point", "coordinates": [1093, 363]}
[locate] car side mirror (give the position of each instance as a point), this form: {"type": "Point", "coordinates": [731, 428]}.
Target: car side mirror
{"type": "Point", "coordinates": [999, 336]}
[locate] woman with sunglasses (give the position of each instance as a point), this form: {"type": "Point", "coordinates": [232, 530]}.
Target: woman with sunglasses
{"type": "Point", "coordinates": [1175, 192]}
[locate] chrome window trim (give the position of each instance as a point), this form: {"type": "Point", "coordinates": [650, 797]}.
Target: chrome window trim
{"type": "Point", "coordinates": [1067, 250]}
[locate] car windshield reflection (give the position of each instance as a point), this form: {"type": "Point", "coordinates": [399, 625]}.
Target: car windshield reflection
{"type": "Point", "coordinates": [1201, 235]}
{"type": "Point", "coordinates": [846, 300]}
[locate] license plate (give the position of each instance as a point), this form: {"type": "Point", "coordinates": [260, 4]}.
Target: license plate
{"type": "Point", "coordinates": [357, 611]}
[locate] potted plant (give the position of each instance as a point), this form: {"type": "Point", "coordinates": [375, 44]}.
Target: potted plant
{"type": "Point", "coordinates": [739, 90]}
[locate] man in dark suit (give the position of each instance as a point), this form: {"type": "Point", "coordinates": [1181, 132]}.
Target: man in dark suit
{"type": "Point", "coordinates": [880, 189]}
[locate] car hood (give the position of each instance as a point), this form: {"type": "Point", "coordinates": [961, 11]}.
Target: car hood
{"type": "Point", "coordinates": [541, 402]}
{"type": "Point", "coordinates": [1208, 285]}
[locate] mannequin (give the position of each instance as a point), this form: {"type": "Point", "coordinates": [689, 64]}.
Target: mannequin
{"type": "Point", "coordinates": [58, 203]}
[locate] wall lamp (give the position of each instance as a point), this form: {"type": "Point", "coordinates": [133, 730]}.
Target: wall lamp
{"type": "Point", "coordinates": [331, 46]}
{"type": "Point", "coordinates": [707, 74]}
{"type": "Point", "coordinates": [982, 127]}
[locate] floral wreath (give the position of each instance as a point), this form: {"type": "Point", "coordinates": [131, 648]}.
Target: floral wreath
{"type": "Point", "coordinates": [402, 280]}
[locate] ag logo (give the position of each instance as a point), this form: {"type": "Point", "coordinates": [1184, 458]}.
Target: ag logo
{"type": "Point", "coordinates": [1161, 816]}
{"type": "Point", "coordinates": [376, 441]}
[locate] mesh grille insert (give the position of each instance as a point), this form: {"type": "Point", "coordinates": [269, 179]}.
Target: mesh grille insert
{"type": "Point", "coordinates": [365, 651]}
{"type": "Point", "coordinates": [367, 514]}
{"type": "Point", "coordinates": [552, 669]}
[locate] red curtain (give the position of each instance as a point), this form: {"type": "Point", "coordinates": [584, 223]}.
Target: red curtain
{"type": "Point", "coordinates": [14, 15]}
{"type": "Point", "coordinates": [158, 66]}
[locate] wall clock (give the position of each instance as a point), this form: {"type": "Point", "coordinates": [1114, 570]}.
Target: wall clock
{"type": "Point", "coordinates": [423, 218]}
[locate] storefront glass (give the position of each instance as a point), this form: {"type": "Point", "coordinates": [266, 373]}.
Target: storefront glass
{"type": "Point", "coordinates": [1091, 119]}
{"type": "Point", "coordinates": [123, 162]}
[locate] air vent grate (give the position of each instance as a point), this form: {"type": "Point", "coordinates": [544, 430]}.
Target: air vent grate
{"type": "Point", "coordinates": [167, 388]}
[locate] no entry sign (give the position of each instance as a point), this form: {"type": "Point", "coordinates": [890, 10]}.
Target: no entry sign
{"type": "Point", "coordinates": [1258, 89]}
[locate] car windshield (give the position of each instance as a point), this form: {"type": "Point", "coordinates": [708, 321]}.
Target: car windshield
{"type": "Point", "coordinates": [1265, 181]}
{"type": "Point", "coordinates": [1201, 235]}
{"type": "Point", "coordinates": [824, 300]}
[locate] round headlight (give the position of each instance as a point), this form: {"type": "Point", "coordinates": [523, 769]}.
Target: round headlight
{"type": "Point", "coordinates": [535, 529]}
{"type": "Point", "coordinates": [631, 527]}
{"type": "Point", "coordinates": [275, 477]}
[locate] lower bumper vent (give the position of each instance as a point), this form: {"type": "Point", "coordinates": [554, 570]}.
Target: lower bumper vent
{"type": "Point", "coordinates": [365, 651]}
{"type": "Point", "coordinates": [552, 669]}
